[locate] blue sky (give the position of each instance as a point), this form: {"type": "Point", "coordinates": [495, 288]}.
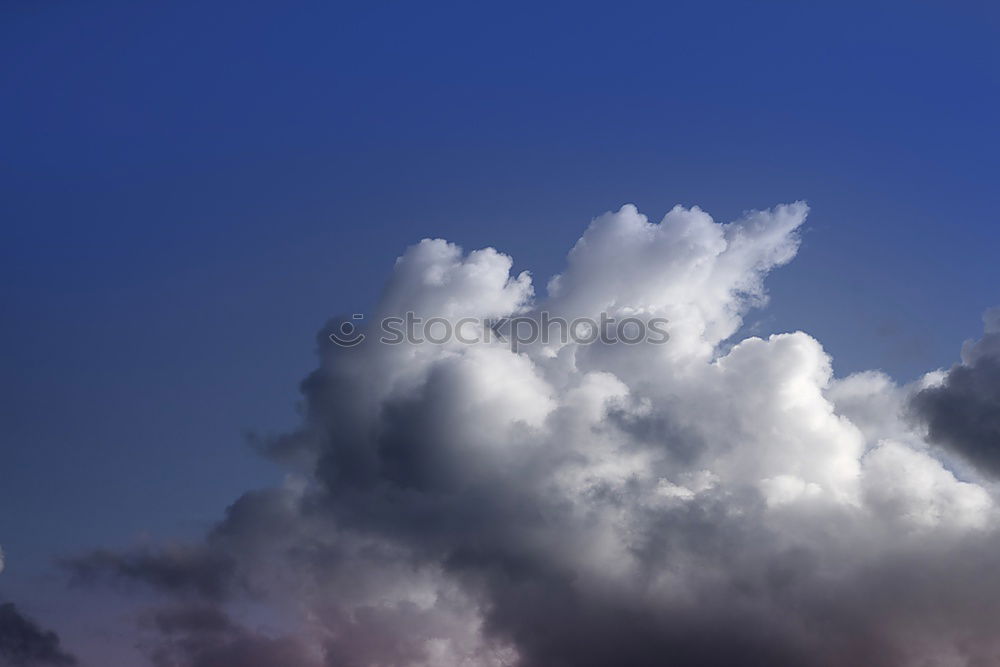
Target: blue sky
{"type": "Point", "coordinates": [189, 190]}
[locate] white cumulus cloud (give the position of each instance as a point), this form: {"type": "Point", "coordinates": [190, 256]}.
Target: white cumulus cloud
{"type": "Point", "coordinates": [693, 502]}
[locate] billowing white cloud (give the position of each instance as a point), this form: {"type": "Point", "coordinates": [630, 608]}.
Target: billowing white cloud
{"type": "Point", "coordinates": [569, 504]}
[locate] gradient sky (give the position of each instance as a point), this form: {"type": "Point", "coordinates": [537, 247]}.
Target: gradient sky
{"type": "Point", "coordinates": [189, 190]}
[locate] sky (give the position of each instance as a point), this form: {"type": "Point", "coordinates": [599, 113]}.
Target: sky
{"type": "Point", "coordinates": [190, 191]}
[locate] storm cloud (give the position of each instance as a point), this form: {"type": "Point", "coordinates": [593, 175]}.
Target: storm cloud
{"type": "Point", "coordinates": [706, 501]}
{"type": "Point", "coordinates": [963, 411]}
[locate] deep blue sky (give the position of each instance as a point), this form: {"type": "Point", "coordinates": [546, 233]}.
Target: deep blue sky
{"type": "Point", "coordinates": [190, 189]}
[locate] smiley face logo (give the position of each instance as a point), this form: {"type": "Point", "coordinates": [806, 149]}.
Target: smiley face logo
{"type": "Point", "coordinates": [347, 334]}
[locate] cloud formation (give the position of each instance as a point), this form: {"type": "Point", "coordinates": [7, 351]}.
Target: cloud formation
{"type": "Point", "coordinates": [704, 501]}
{"type": "Point", "coordinates": [23, 643]}
{"type": "Point", "coordinates": [963, 411]}
{"type": "Point", "coordinates": [172, 569]}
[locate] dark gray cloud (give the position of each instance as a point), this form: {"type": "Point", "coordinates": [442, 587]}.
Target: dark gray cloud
{"type": "Point", "coordinates": [963, 412]}
{"type": "Point", "coordinates": [23, 643]}
{"type": "Point", "coordinates": [181, 570]}
{"type": "Point", "coordinates": [202, 636]}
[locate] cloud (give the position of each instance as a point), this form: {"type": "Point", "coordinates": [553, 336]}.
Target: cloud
{"type": "Point", "coordinates": [181, 569]}
{"type": "Point", "coordinates": [24, 644]}
{"type": "Point", "coordinates": [963, 411]}
{"type": "Point", "coordinates": [205, 637]}
{"type": "Point", "coordinates": [703, 501]}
